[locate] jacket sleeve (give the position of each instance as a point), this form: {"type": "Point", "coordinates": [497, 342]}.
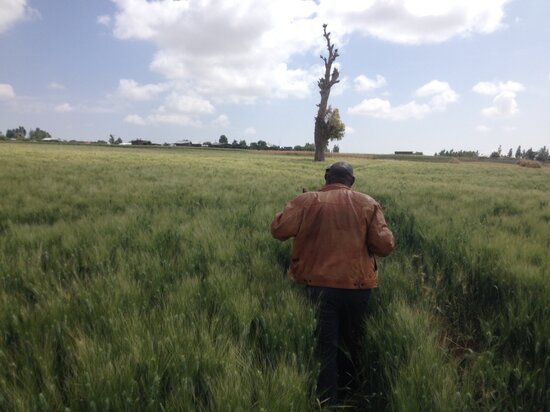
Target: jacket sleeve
{"type": "Point", "coordinates": [287, 223]}
{"type": "Point", "coordinates": [380, 240]}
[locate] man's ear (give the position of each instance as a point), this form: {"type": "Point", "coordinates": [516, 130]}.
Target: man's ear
{"type": "Point", "coordinates": [352, 181]}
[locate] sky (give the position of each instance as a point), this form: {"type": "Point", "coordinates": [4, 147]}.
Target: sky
{"type": "Point", "coordinates": [420, 75]}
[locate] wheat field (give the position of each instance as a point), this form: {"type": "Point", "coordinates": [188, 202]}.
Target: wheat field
{"type": "Point", "coordinates": [147, 279]}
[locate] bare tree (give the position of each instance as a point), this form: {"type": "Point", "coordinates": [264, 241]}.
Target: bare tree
{"type": "Point", "coordinates": [325, 83]}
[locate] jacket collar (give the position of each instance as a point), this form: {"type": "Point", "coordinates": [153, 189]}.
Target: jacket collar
{"type": "Point", "coordinates": [334, 186]}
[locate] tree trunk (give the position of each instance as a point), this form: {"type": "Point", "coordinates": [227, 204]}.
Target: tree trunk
{"type": "Point", "coordinates": [325, 83]}
{"type": "Point", "coordinates": [320, 142]}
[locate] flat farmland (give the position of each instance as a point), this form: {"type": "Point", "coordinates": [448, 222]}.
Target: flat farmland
{"type": "Point", "coordinates": [147, 279]}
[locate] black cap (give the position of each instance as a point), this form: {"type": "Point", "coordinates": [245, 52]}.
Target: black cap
{"type": "Point", "coordinates": [340, 169]}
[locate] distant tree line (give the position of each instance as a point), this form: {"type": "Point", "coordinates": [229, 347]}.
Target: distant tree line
{"type": "Point", "coordinates": [223, 142]}
{"type": "Point", "coordinates": [458, 153]}
{"type": "Point", "coordinates": [20, 133]}
{"type": "Point", "coordinates": [529, 154]}
{"type": "Point", "coordinates": [541, 155]}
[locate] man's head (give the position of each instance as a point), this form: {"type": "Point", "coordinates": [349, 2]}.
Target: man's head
{"type": "Point", "coordinates": [340, 172]}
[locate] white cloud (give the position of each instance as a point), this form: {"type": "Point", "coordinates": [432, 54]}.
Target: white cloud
{"type": "Point", "coordinates": [363, 83]}
{"type": "Point", "coordinates": [251, 131]}
{"type": "Point", "coordinates": [130, 89]}
{"type": "Point", "coordinates": [104, 20]}
{"type": "Point", "coordinates": [492, 88]}
{"type": "Point", "coordinates": [179, 109]}
{"type": "Point", "coordinates": [504, 102]}
{"type": "Point", "coordinates": [414, 21]}
{"type": "Point", "coordinates": [56, 86]}
{"type": "Point", "coordinates": [433, 88]}
{"type": "Point", "coordinates": [487, 88]}
{"type": "Point", "coordinates": [383, 109]}
{"type": "Point", "coordinates": [221, 121]}
{"type": "Point", "coordinates": [482, 128]}
{"type": "Point", "coordinates": [14, 11]}
{"type": "Point", "coordinates": [6, 91]}
{"type": "Point", "coordinates": [163, 116]}
{"type": "Point", "coordinates": [440, 94]}
{"type": "Point", "coordinates": [350, 130]}
{"type": "Point", "coordinates": [189, 104]}
{"type": "Point", "coordinates": [64, 108]}
{"type": "Point", "coordinates": [240, 51]}
{"type": "Point", "coordinates": [232, 51]}
{"type": "Point", "coordinates": [135, 119]}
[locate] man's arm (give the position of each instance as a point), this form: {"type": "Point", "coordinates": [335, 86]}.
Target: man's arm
{"type": "Point", "coordinates": [287, 223]}
{"type": "Point", "coordinates": [380, 240]}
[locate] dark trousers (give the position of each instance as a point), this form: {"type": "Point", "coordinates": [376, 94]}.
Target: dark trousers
{"type": "Point", "coordinates": [340, 327]}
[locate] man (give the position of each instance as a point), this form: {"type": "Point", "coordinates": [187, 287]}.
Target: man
{"type": "Point", "coordinates": [337, 234]}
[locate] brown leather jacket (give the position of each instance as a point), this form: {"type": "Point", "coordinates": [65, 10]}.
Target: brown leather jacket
{"type": "Point", "coordinates": [337, 233]}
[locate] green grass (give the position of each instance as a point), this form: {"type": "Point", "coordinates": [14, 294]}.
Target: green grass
{"type": "Point", "coordinates": [147, 279]}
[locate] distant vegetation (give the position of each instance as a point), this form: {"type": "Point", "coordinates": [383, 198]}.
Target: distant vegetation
{"type": "Point", "coordinates": [148, 280]}
{"type": "Point", "coordinates": [458, 153]}
{"type": "Point", "coordinates": [338, 128]}
{"type": "Point", "coordinates": [529, 154]}
{"type": "Point", "coordinates": [20, 133]}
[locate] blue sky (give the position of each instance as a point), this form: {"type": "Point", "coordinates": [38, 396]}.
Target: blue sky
{"type": "Point", "coordinates": [418, 75]}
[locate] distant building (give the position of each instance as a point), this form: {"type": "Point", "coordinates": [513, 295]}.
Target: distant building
{"type": "Point", "coordinates": [408, 153]}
